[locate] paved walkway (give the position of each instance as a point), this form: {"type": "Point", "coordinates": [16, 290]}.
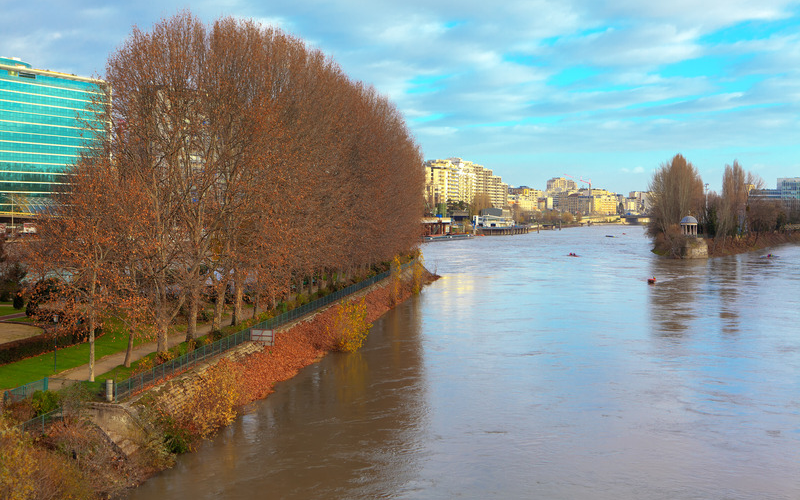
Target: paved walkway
{"type": "Point", "coordinates": [108, 363]}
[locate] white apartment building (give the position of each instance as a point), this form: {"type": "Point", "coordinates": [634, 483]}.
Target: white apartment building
{"type": "Point", "coordinates": [561, 185]}
{"type": "Point", "coordinates": [455, 179]}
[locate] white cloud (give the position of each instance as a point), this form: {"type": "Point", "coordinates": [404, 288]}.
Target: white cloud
{"type": "Point", "coordinates": [646, 81]}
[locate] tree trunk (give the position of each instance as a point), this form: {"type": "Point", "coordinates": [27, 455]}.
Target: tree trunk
{"type": "Point", "coordinates": [161, 344]}
{"type": "Point", "coordinates": [219, 306]}
{"type": "Point", "coordinates": [129, 350]}
{"type": "Point", "coordinates": [91, 345]}
{"type": "Point", "coordinates": [92, 320]}
{"type": "Point", "coordinates": [256, 298]}
{"type": "Point", "coordinates": [236, 317]}
{"type": "Point", "coordinates": [194, 302]}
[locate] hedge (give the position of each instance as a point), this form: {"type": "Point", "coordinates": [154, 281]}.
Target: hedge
{"type": "Point", "coordinates": [11, 352]}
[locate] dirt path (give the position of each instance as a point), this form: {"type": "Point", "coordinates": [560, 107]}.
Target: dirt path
{"type": "Point", "coordinates": [10, 332]}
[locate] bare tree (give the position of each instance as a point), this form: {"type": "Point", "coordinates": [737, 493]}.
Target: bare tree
{"type": "Point", "coordinates": [736, 187]}
{"type": "Point", "coordinates": [479, 202]}
{"type": "Point", "coordinates": [238, 157]}
{"type": "Point", "coordinates": [676, 190]}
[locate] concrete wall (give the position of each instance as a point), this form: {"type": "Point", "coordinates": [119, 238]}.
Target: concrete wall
{"type": "Point", "coordinates": [120, 421]}
{"type": "Point", "coordinates": [120, 425]}
{"type": "Point", "coordinates": [695, 248]}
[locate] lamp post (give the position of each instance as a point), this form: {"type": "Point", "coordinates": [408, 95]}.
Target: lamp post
{"type": "Point", "coordinates": [55, 341]}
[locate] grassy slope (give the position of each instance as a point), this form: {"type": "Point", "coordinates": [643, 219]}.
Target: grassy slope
{"type": "Point", "coordinates": [36, 368]}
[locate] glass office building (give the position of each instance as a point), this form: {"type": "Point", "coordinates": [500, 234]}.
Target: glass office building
{"type": "Point", "coordinates": [41, 132]}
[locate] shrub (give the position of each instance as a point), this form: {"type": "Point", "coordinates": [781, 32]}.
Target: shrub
{"type": "Point", "coordinates": [29, 471]}
{"type": "Point", "coordinates": [144, 365]}
{"type": "Point", "coordinates": [396, 282]}
{"type": "Point", "coordinates": [44, 402]}
{"type": "Point", "coordinates": [211, 404]}
{"type": "Point", "coordinates": [418, 274]}
{"type": "Point", "coordinates": [18, 412]}
{"type": "Point", "coordinates": [73, 398]}
{"type": "Point", "coordinates": [163, 357]}
{"type": "Point", "coordinates": [42, 292]}
{"type": "Point", "coordinates": [19, 301]}
{"type": "Point", "coordinates": [350, 326]}
{"type": "Point", "coordinates": [177, 439]}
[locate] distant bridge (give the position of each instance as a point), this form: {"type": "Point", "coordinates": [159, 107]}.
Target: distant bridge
{"type": "Point", "coordinates": [635, 220]}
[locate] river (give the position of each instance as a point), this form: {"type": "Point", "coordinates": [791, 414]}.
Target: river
{"type": "Point", "coordinates": [527, 373]}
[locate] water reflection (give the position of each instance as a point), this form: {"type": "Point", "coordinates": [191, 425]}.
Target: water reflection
{"type": "Point", "coordinates": [349, 426]}
{"type": "Point", "coordinates": [674, 298]}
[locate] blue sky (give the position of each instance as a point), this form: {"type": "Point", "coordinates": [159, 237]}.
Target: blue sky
{"type": "Point", "coordinates": [532, 89]}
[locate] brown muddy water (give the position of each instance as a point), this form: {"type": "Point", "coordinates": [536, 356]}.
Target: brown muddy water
{"type": "Point", "coordinates": [526, 373]}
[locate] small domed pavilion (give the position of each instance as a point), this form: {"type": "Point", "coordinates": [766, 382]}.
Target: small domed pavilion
{"type": "Point", "coordinates": [689, 226]}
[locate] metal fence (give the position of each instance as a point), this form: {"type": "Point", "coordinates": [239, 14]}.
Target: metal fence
{"type": "Point", "coordinates": [180, 364]}
{"type": "Point", "coordinates": [42, 421]}
{"type": "Point", "coordinates": [312, 306]}
{"type": "Point", "coordinates": [24, 391]}
{"type": "Point", "coordinates": [169, 368]}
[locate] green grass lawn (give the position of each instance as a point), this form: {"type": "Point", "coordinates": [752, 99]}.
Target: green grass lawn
{"type": "Point", "coordinates": [36, 368]}
{"type": "Point", "coordinates": [26, 319]}
{"type": "Point", "coordinates": [6, 309]}
{"type": "Point", "coordinates": [32, 369]}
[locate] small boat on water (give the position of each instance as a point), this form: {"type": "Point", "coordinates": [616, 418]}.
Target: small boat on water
{"type": "Point", "coordinates": [572, 254]}
{"type": "Point", "coordinates": [652, 280]}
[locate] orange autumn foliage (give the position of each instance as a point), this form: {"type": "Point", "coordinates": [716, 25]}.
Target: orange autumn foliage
{"type": "Point", "coordinates": [232, 384]}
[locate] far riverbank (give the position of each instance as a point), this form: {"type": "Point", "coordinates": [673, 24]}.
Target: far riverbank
{"type": "Point", "coordinates": [750, 243]}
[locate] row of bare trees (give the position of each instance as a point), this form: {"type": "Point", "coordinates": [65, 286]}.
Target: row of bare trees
{"type": "Point", "coordinates": [677, 190]}
{"type": "Point", "coordinates": [230, 156]}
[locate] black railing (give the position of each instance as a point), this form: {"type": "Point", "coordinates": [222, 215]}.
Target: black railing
{"type": "Point", "coordinates": [42, 421]}
{"type": "Point", "coordinates": [24, 391]}
{"type": "Point", "coordinates": [180, 364]}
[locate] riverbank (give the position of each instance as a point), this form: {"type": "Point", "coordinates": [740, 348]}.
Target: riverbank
{"type": "Point", "coordinates": [682, 247]}
{"type": "Point", "coordinates": [75, 458]}
{"type": "Point", "coordinates": [750, 243]}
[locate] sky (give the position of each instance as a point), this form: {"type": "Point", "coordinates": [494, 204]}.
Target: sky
{"type": "Point", "coordinates": [605, 91]}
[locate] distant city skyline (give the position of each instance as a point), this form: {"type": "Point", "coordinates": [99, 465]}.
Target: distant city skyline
{"type": "Point", "coordinates": [531, 90]}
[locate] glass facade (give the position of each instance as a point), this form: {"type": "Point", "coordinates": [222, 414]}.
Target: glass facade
{"type": "Point", "coordinates": [42, 115]}
{"type": "Point", "coordinates": [789, 188]}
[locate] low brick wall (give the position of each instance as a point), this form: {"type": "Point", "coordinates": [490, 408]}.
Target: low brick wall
{"type": "Point", "coordinates": [174, 393]}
